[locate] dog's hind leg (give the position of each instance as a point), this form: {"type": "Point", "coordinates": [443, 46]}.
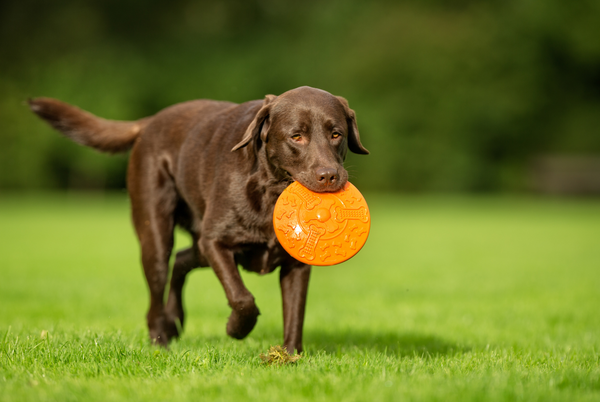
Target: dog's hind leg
{"type": "Point", "coordinates": [185, 261]}
{"type": "Point", "coordinates": [153, 200]}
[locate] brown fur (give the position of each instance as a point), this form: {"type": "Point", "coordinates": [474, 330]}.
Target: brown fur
{"type": "Point", "coordinates": [216, 169]}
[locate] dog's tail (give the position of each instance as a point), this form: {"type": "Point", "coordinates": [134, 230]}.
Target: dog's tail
{"type": "Point", "coordinates": [87, 129]}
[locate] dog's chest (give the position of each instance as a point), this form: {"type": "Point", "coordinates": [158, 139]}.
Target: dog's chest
{"type": "Point", "coordinates": [261, 258]}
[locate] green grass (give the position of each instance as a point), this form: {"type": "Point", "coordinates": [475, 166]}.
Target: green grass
{"type": "Point", "coordinates": [461, 299]}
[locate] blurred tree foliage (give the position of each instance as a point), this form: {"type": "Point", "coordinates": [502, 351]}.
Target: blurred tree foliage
{"type": "Point", "coordinates": [450, 95]}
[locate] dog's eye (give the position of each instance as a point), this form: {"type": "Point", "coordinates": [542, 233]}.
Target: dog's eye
{"type": "Point", "coordinates": [297, 137]}
{"type": "Point", "coordinates": [335, 135]}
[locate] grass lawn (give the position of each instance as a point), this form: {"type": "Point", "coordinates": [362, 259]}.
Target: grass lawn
{"type": "Point", "coordinates": [461, 299]}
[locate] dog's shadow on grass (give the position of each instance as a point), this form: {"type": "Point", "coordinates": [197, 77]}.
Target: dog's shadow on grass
{"type": "Point", "coordinates": [397, 344]}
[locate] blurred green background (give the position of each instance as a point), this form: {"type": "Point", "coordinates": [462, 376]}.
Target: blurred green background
{"type": "Point", "coordinates": [451, 96]}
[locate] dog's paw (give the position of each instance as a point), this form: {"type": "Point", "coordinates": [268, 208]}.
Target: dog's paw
{"type": "Point", "coordinates": [157, 330]}
{"type": "Point", "coordinates": [241, 322]}
{"type": "Point", "coordinates": [173, 328]}
{"type": "Point", "coordinates": [159, 338]}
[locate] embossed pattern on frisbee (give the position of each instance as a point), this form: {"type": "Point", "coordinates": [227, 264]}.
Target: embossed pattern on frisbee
{"type": "Point", "coordinates": [321, 228]}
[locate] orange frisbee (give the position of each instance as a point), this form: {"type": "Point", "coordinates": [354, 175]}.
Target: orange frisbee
{"type": "Point", "coordinates": [321, 228]}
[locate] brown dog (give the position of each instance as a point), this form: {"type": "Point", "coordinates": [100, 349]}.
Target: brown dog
{"type": "Point", "coordinates": [216, 169]}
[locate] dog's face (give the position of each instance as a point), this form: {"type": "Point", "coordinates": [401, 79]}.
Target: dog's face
{"type": "Point", "coordinates": [306, 134]}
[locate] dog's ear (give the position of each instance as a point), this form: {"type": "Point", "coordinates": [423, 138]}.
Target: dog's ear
{"type": "Point", "coordinates": [260, 124]}
{"type": "Point", "coordinates": [353, 137]}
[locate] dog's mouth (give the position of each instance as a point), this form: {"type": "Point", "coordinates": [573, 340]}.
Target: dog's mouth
{"type": "Point", "coordinates": [289, 178]}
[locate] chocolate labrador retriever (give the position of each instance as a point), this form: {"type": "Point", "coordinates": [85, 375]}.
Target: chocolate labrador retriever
{"type": "Point", "coordinates": [216, 169]}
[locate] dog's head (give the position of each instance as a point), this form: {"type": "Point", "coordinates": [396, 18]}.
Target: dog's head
{"type": "Point", "coordinates": [306, 133]}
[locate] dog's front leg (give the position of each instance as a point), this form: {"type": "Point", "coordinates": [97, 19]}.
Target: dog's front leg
{"type": "Point", "coordinates": [293, 279]}
{"type": "Point", "coordinates": [245, 313]}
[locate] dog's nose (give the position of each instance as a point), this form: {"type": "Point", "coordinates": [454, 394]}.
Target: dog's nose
{"type": "Point", "coordinates": [327, 176]}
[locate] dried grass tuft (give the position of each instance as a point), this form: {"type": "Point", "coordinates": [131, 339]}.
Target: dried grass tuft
{"type": "Point", "coordinates": [278, 355]}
